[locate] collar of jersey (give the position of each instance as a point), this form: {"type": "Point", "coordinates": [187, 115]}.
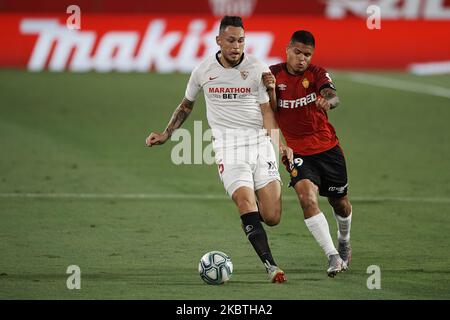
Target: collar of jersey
{"type": "Point", "coordinates": [294, 75]}
{"type": "Point", "coordinates": [218, 60]}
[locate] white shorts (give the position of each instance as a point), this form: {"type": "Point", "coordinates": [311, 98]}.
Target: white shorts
{"type": "Point", "coordinates": [247, 166]}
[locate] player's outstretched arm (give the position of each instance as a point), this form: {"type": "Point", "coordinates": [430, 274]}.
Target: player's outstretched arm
{"type": "Point", "coordinates": [269, 81]}
{"type": "Point", "coordinates": [270, 124]}
{"type": "Point", "coordinates": [179, 116]}
{"type": "Point", "coordinates": [329, 99]}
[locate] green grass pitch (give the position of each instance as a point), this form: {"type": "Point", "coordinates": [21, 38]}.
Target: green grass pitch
{"type": "Point", "coordinates": [83, 134]}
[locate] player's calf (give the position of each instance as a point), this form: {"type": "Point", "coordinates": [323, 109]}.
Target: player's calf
{"type": "Point", "coordinates": [307, 195]}
{"type": "Point", "coordinates": [273, 218]}
{"type": "Point", "coordinates": [341, 206]}
{"type": "Point", "coordinates": [342, 211]}
{"type": "Point", "coordinates": [269, 203]}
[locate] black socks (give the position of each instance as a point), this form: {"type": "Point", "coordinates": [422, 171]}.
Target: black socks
{"type": "Point", "coordinates": [251, 223]}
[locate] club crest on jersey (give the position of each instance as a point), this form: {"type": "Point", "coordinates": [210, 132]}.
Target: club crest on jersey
{"type": "Point", "coordinates": [305, 83]}
{"type": "Point", "coordinates": [294, 173]}
{"type": "Point", "coordinates": [244, 74]}
{"type": "Point", "coordinates": [295, 166]}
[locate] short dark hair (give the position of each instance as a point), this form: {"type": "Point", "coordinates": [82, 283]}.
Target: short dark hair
{"type": "Point", "coordinates": [231, 21]}
{"type": "Point", "coordinates": [304, 37]}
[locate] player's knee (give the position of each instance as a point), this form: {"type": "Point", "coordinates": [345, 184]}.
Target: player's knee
{"type": "Point", "coordinates": [274, 217]}
{"type": "Point", "coordinates": [307, 195]}
{"type": "Point", "coordinates": [308, 202]}
{"type": "Point", "coordinates": [341, 206]}
{"type": "Point", "coordinates": [246, 205]}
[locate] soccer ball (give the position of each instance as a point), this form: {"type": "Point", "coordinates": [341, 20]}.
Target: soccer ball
{"type": "Point", "coordinates": [215, 267]}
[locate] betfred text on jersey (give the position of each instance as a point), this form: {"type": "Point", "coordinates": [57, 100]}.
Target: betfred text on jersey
{"type": "Point", "coordinates": [301, 102]}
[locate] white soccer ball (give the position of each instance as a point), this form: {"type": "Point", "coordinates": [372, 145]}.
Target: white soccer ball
{"type": "Point", "coordinates": [215, 267]}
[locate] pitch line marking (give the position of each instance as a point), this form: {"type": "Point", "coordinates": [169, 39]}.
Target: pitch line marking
{"type": "Point", "coordinates": [404, 85]}
{"type": "Point", "coordinates": [175, 196]}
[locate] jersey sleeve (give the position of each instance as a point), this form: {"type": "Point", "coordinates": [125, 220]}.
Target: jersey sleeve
{"type": "Point", "coordinates": [193, 86]}
{"type": "Point", "coordinates": [263, 96]}
{"type": "Point", "coordinates": [323, 79]}
{"type": "Point", "coordinates": [276, 69]}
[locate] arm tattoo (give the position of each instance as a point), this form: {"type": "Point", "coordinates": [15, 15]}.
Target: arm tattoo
{"type": "Point", "coordinates": [179, 116]}
{"type": "Point", "coordinates": [331, 96]}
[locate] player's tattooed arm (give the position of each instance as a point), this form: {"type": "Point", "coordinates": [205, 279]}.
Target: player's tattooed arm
{"type": "Point", "coordinates": [330, 99]}
{"type": "Point", "coordinates": [178, 117]}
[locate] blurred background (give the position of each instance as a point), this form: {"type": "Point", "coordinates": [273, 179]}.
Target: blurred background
{"type": "Point", "coordinates": [82, 84]}
{"type": "Point", "coordinates": [165, 36]}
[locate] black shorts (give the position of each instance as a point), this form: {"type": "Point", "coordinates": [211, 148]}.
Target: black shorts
{"type": "Point", "coordinates": [327, 170]}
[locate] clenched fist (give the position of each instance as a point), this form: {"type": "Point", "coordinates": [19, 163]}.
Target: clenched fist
{"type": "Point", "coordinates": [323, 104]}
{"type": "Point", "coordinates": [269, 80]}
{"type": "Point", "coordinates": [156, 139]}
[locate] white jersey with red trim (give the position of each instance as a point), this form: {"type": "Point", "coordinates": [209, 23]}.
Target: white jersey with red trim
{"type": "Point", "coordinates": [233, 97]}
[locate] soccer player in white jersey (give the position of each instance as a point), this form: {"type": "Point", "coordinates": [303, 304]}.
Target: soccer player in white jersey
{"type": "Point", "coordinates": [240, 116]}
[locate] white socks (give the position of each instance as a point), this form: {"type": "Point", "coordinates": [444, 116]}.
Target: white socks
{"type": "Point", "coordinates": [319, 228]}
{"type": "Point", "coordinates": [344, 225]}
